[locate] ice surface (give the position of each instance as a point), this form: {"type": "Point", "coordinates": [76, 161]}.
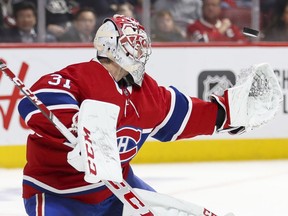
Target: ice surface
{"type": "Point", "coordinates": [245, 188]}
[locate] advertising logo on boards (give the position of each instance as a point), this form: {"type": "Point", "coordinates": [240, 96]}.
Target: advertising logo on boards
{"type": "Point", "coordinates": [214, 82]}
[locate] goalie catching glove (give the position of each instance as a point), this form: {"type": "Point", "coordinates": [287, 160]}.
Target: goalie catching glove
{"type": "Point", "coordinates": [252, 102]}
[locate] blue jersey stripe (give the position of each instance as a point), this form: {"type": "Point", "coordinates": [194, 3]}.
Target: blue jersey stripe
{"type": "Point", "coordinates": [48, 98]}
{"type": "Point", "coordinates": [45, 190]}
{"type": "Point", "coordinates": [173, 125]}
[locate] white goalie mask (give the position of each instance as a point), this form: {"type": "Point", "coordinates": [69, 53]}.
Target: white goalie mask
{"type": "Point", "coordinates": [124, 41]}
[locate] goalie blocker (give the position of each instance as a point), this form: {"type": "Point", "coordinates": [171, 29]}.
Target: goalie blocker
{"type": "Point", "coordinates": [252, 102]}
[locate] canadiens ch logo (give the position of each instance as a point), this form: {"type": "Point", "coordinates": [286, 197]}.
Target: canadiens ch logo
{"type": "Point", "coordinates": [128, 139]}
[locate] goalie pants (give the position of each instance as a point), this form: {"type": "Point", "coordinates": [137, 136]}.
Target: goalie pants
{"type": "Point", "coordinates": [52, 205]}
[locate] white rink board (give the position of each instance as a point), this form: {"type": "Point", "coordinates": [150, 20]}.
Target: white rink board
{"type": "Point", "coordinates": [180, 67]}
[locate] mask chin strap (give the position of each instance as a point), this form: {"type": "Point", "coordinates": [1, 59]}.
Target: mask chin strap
{"type": "Point", "coordinates": [127, 81]}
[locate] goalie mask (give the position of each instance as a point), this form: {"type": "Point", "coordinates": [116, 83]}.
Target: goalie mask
{"type": "Point", "coordinates": [124, 41]}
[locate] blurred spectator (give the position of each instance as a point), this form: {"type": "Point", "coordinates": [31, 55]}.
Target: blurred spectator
{"type": "Point", "coordinates": [183, 11]}
{"type": "Point", "coordinates": [1, 34]}
{"type": "Point", "coordinates": [236, 3]}
{"type": "Point", "coordinates": [14, 2]}
{"type": "Point", "coordinates": [164, 28]}
{"type": "Point", "coordinates": [267, 11]}
{"type": "Point", "coordinates": [228, 4]}
{"type": "Point", "coordinates": [83, 28]}
{"type": "Point", "coordinates": [211, 28]}
{"type": "Point", "coordinates": [59, 14]}
{"type": "Point", "coordinates": [24, 30]}
{"type": "Point", "coordinates": [103, 8]}
{"type": "Point", "coordinates": [278, 29]}
{"type": "Point", "coordinates": [138, 7]}
{"type": "Point", "coordinates": [107, 8]}
{"type": "Point", "coordinates": [6, 14]}
{"type": "Point", "coordinates": [125, 9]}
{"type": "Point", "coordinates": [238, 12]}
{"type": "Point", "coordinates": [1, 18]}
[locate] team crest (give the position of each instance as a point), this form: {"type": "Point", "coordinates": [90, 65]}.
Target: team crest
{"type": "Point", "coordinates": [128, 139]}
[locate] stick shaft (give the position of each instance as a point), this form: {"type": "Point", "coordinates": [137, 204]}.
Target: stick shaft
{"type": "Point", "coordinates": [34, 99]}
{"type": "Point", "coordinates": [122, 190]}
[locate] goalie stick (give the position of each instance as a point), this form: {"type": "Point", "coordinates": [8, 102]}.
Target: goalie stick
{"type": "Point", "coordinates": [44, 110]}
{"type": "Point", "coordinates": [135, 205]}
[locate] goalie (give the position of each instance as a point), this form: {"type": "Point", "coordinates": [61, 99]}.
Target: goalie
{"type": "Point", "coordinates": [54, 186]}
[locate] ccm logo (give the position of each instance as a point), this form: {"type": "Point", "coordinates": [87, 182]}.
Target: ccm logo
{"type": "Point", "coordinates": [89, 151]}
{"type": "Point", "coordinates": [131, 198]}
{"type": "Point", "coordinates": [208, 213]}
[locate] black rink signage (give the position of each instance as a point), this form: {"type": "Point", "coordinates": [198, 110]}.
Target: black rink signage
{"type": "Point", "coordinates": [214, 82]}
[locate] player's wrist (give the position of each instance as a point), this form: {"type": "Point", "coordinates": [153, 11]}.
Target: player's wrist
{"type": "Point", "coordinates": [222, 123]}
